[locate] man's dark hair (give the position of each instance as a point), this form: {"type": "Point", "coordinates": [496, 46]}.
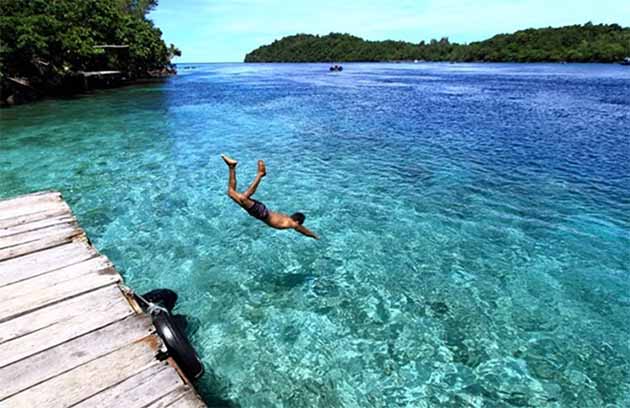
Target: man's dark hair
{"type": "Point", "coordinates": [298, 217]}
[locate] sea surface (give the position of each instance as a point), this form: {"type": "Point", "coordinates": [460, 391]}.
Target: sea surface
{"type": "Point", "coordinates": [475, 225]}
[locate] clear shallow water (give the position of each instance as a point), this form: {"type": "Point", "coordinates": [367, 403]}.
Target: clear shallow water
{"type": "Point", "coordinates": [475, 224]}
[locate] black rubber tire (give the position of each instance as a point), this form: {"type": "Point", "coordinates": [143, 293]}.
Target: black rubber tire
{"type": "Point", "coordinates": [162, 297]}
{"type": "Point", "coordinates": [178, 345]}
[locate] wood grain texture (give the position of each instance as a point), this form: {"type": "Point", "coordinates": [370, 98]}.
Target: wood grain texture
{"type": "Point", "coordinates": [44, 242]}
{"type": "Point", "coordinates": [28, 266]}
{"type": "Point", "coordinates": [170, 398]}
{"type": "Point", "coordinates": [71, 229]}
{"type": "Point", "coordinates": [89, 379]}
{"type": "Point", "coordinates": [37, 331]}
{"type": "Point", "coordinates": [31, 294]}
{"type": "Point", "coordinates": [29, 199]}
{"type": "Point", "coordinates": [188, 400]}
{"type": "Point", "coordinates": [50, 221]}
{"type": "Point", "coordinates": [53, 211]}
{"type": "Point", "coordinates": [12, 213]}
{"type": "Point", "coordinates": [71, 354]}
{"type": "Point", "coordinates": [139, 390]}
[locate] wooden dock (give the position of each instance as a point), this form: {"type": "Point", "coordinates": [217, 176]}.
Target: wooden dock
{"type": "Point", "coordinates": [69, 337]}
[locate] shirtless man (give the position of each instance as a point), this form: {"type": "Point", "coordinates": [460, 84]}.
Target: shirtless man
{"type": "Point", "coordinates": [257, 209]}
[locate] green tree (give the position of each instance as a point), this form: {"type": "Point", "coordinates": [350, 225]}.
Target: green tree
{"type": "Point", "coordinates": [577, 43]}
{"type": "Point", "coordinates": [45, 40]}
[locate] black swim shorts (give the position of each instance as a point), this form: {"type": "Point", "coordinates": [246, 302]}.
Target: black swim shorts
{"type": "Point", "coordinates": [258, 210]}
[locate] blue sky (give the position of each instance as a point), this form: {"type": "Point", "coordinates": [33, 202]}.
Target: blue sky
{"type": "Point", "coordinates": [224, 31]}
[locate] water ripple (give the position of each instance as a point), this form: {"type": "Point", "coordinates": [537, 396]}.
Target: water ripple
{"type": "Point", "coordinates": [475, 224]}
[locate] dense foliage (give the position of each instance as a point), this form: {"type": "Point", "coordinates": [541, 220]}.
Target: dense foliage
{"type": "Point", "coordinates": [44, 40]}
{"type": "Point", "coordinates": [577, 43]}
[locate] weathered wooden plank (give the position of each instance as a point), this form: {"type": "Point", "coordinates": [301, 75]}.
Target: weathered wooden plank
{"type": "Point", "coordinates": [32, 209]}
{"type": "Point", "coordinates": [28, 266]}
{"type": "Point", "coordinates": [40, 367]}
{"type": "Point", "coordinates": [68, 335]}
{"type": "Point", "coordinates": [38, 216]}
{"type": "Point", "coordinates": [170, 398]}
{"type": "Point", "coordinates": [50, 241]}
{"type": "Point", "coordinates": [22, 204]}
{"type": "Point", "coordinates": [37, 331]}
{"type": "Point", "coordinates": [71, 228]}
{"type": "Point", "coordinates": [64, 219]}
{"type": "Point", "coordinates": [89, 303]}
{"type": "Point", "coordinates": [89, 379]}
{"type": "Point", "coordinates": [188, 400]}
{"type": "Point", "coordinates": [137, 391]}
{"type": "Point", "coordinates": [31, 294]}
{"type": "Point", "coordinates": [49, 281]}
{"type": "Point", "coordinates": [28, 199]}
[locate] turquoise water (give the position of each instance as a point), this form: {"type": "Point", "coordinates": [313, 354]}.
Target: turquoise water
{"type": "Point", "coordinates": [475, 224]}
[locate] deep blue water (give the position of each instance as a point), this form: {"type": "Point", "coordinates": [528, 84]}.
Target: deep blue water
{"type": "Point", "coordinates": [475, 224]}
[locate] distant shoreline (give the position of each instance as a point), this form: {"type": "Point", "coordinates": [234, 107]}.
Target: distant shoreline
{"type": "Point", "coordinates": [398, 62]}
{"type": "Point", "coordinates": [602, 43]}
{"type": "Point", "coordinates": [425, 62]}
{"type": "Point", "coordinates": [22, 93]}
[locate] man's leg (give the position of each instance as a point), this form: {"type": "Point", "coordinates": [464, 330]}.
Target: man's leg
{"type": "Point", "coordinates": [262, 172]}
{"type": "Point", "coordinates": [234, 195]}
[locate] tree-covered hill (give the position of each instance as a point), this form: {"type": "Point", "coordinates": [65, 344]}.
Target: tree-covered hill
{"type": "Point", "coordinates": [43, 42]}
{"type": "Point", "coordinates": [576, 43]}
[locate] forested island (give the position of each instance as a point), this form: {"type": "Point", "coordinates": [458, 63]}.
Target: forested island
{"type": "Point", "coordinates": [576, 43]}
{"type": "Point", "coordinates": [61, 47]}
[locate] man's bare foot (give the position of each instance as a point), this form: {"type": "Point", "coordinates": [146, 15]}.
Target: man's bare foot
{"type": "Point", "coordinates": [228, 161]}
{"type": "Point", "coordinates": [262, 170]}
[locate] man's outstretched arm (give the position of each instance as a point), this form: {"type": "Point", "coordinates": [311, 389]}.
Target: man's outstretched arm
{"type": "Point", "coordinates": [303, 230]}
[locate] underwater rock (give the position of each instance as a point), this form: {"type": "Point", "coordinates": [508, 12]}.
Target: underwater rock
{"type": "Point", "coordinates": [439, 308]}
{"type": "Point", "coordinates": [506, 380]}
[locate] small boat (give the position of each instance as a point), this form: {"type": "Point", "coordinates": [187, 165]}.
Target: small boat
{"type": "Point", "coordinates": [626, 61]}
{"type": "Point", "coordinates": [335, 68]}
